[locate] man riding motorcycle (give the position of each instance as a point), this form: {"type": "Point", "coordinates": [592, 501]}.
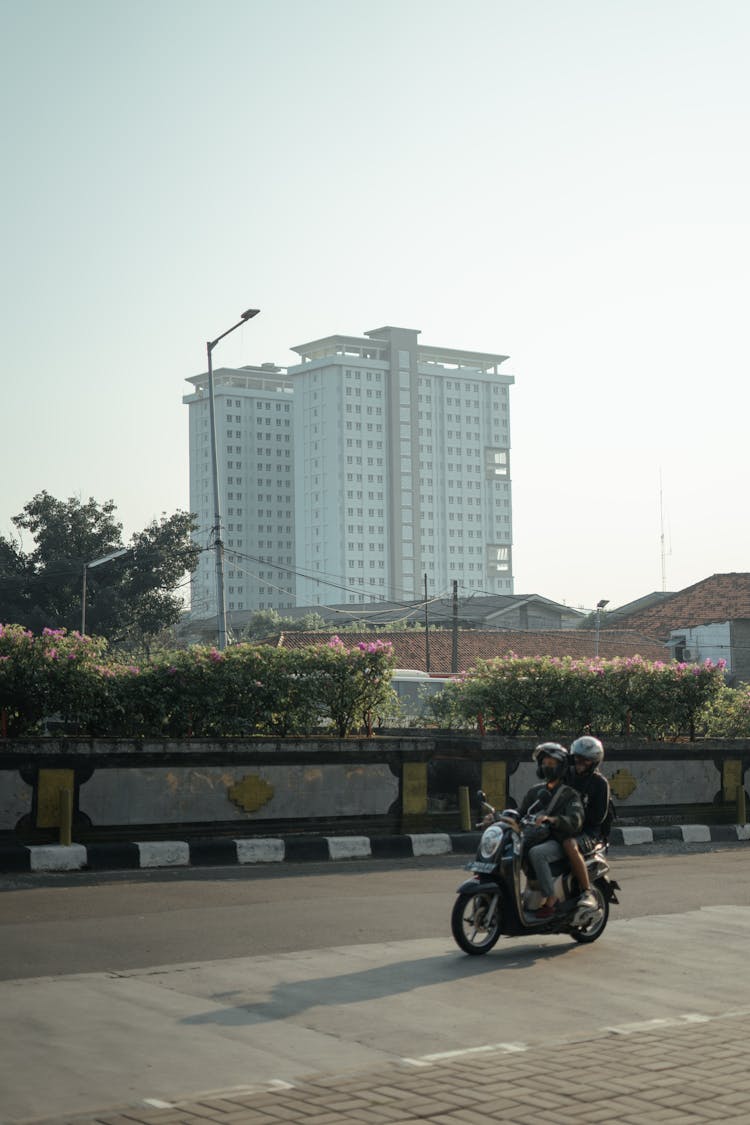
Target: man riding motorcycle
{"type": "Point", "coordinates": [586, 755]}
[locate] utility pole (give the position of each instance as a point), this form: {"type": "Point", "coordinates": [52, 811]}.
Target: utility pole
{"type": "Point", "coordinates": [454, 651]}
{"type": "Point", "coordinates": [426, 630]}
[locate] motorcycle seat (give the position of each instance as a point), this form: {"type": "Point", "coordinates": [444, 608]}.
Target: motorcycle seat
{"type": "Point", "coordinates": [557, 867]}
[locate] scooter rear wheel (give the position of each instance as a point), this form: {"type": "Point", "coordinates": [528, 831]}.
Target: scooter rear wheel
{"type": "Point", "coordinates": [476, 922]}
{"type": "Point", "coordinates": [585, 935]}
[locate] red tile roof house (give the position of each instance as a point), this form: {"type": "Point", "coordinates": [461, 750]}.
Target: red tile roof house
{"type": "Point", "coordinates": [708, 620]}
{"type": "Point", "coordinates": [481, 644]}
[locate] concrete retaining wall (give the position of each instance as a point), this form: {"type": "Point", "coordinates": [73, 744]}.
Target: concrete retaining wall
{"type": "Point", "coordinates": [394, 784]}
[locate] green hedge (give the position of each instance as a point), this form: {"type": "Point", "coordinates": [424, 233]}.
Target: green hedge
{"type": "Point", "coordinates": [255, 689]}
{"type": "Point", "coordinates": [246, 690]}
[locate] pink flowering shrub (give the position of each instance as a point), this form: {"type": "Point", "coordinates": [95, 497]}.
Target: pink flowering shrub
{"type": "Point", "coordinates": [54, 674]}
{"type": "Point", "coordinates": [728, 713]}
{"type": "Point", "coordinates": [260, 690]}
{"type": "Point", "coordinates": [246, 690]}
{"type": "Point", "coordinates": [22, 681]}
{"type": "Point", "coordinates": [547, 696]}
{"type": "Point", "coordinates": [353, 686]}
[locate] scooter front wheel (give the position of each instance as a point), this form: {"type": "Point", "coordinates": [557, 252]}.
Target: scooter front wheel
{"type": "Point", "coordinates": [476, 921]}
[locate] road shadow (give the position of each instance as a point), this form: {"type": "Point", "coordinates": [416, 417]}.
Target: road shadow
{"type": "Point", "coordinates": [291, 998]}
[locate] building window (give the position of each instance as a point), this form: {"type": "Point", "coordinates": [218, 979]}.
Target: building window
{"type": "Point", "coordinates": [496, 463]}
{"type": "Point", "coordinates": [498, 559]}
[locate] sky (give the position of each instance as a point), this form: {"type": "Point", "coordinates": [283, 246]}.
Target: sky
{"type": "Point", "coordinates": [566, 184]}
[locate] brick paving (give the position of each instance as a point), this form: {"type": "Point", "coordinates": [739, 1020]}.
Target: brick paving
{"type": "Point", "coordinates": [675, 1075]}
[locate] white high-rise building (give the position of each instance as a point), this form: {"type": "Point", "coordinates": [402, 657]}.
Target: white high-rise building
{"type": "Point", "coordinates": [255, 453]}
{"type": "Point", "coordinates": [402, 468]}
{"type": "Point", "coordinates": [373, 462]}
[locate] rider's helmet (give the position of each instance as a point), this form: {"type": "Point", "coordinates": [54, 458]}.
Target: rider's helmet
{"type": "Point", "coordinates": [551, 750]}
{"type": "Point", "coordinates": [588, 749]}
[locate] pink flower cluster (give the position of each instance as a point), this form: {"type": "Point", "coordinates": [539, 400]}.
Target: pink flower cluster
{"type": "Point", "coordinates": [375, 646]}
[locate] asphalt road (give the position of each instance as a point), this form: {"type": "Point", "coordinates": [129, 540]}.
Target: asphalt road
{"type": "Point", "coordinates": [77, 923]}
{"type": "Point", "coordinates": [156, 985]}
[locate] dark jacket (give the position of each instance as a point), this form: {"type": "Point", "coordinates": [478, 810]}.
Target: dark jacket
{"type": "Point", "coordinates": [593, 789]}
{"type": "Point", "coordinates": [568, 809]}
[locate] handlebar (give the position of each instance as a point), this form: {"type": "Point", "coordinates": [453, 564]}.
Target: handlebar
{"type": "Point", "coordinates": [513, 822]}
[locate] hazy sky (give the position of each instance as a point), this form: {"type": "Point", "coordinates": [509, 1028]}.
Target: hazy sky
{"type": "Point", "coordinates": [565, 183]}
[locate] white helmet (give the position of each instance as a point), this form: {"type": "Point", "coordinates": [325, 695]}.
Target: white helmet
{"type": "Point", "coordinates": [589, 748]}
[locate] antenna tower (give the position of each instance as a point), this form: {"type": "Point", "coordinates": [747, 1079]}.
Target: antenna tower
{"type": "Point", "coordinates": [661, 538]}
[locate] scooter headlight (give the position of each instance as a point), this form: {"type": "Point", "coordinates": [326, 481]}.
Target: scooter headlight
{"type": "Point", "coordinates": [491, 840]}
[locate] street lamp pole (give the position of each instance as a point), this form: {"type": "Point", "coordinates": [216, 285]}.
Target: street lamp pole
{"type": "Point", "coordinates": [90, 566]}
{"type": "Point", "coordinates": [221, 605]}
{"type": "Point", "coordinates": [599, 607]}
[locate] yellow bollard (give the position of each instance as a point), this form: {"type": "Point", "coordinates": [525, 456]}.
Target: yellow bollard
{"type": "Point", "coordinates": [464, 806]}
{"type": "Point", "coordinates": [741, 809]}
{"type": "Point", "coordinates": [66, 817]}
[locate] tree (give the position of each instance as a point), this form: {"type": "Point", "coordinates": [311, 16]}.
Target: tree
{"type": "Point", "coordinates": [402, 625]}
{"type": "Point", "coordinates": [128, 598]}
{"type": "Point", "coordinates": [265, 622]}
{"type": "Point", "coordinates": [13, 571]}
{"type": "Point", "coordinates": [163, 553]}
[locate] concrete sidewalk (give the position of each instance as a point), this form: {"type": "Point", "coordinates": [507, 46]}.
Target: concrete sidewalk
{"type": "Point", "coordinates": [693, 1068]}
{"type": "Point", "coordinates": [225, 852]}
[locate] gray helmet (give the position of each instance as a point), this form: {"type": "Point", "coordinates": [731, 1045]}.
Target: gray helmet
{"type": "Point", "coordinates": [589, 748]}
{"type": "Point", "coordinates": [551, 750]}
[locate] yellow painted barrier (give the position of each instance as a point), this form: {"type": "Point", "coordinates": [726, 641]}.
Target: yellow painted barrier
{"type": "Point", "coordinates": [731, 778]}
{"type": "Point", "coordinates": [494, 782]}
{"type": "Point", "coordinates": [48, 796]}
{"type": "Point", "coordinates": [414, 778]}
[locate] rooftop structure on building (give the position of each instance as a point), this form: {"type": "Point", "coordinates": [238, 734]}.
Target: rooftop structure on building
{"type": "Point", "coordinates": [503, 611]}
{"type": "Point", "coordinates": [505, 615]}
{"type": "Point", "coordinates": [709, 620]}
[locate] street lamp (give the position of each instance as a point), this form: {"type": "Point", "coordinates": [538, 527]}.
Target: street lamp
{"type": "Point", "coordinates": [90, 566]}
{"type": "Point", "coordinates": [221, 606]}
{"type": "Point", "coordinates": [599, 607]}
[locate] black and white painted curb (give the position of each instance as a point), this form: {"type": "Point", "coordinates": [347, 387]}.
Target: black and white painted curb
{"type": "Point", "coordinates": [218, 852]}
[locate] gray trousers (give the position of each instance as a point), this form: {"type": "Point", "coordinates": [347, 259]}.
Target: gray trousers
{"type": "Point", "coordinates": [541, 856]}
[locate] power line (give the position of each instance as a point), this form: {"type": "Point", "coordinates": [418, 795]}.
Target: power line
{"type": "Point", "coordinates": [334, 581]}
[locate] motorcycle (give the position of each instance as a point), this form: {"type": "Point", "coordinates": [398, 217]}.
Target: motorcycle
{"type": "Point", "coordinates": [503, 894]}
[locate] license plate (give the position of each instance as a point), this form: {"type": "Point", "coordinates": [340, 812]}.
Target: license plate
{"type": "Point", "coordinates": [481, 868]}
